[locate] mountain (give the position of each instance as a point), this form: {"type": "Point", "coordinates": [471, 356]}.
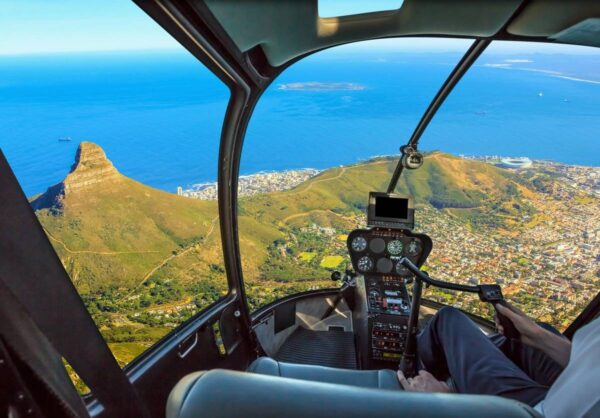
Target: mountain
{"type": "Point", "coordinates": [91, 170]}
{"type": "Point", "coordinates": [111, 231]}
{"type": "Point", "coordinates": [444, 182]}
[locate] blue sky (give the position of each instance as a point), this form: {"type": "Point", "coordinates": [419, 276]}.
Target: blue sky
{"type": "Point", "coordinates": [331, 8]}
{"type": "Point", "coordinates": [51, 26]}
{"type": "Point", "coordinates": [46, 26]}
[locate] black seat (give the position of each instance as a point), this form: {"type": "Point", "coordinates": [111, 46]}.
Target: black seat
{"type": "Point", "coordinates": [229, 394]}
{"type": "Point", "coordinates": [378, 379]}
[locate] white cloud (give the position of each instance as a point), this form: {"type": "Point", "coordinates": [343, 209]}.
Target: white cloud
{"type": "Point", "coordinates": [497, 65]}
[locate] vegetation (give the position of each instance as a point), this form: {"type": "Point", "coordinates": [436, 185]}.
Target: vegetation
{"type": "Point", "coordinates": [331, 261]}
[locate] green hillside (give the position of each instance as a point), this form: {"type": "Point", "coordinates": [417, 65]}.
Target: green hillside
{"type": "Point", "coordinates": [444, 181]}
{"type": "Point", "coordinates": [118, 233]}
{"type": "Point", "coordinates": [111, 235]}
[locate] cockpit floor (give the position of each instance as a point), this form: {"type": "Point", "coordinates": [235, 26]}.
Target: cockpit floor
{"type": "Point", "coordinates": [323, 348]}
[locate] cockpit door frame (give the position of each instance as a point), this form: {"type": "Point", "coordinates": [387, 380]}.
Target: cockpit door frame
{"type": "Point", "coordinates": [589, 313]}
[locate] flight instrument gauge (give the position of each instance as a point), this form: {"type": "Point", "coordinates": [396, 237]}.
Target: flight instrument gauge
{"type": "Point", "coordinates": [365, 264]}
{"type": "Point", "coordinates": [359, 244]}
{"type": "Point", "coordinates": [395, 247]}
{"type": "Point", "coordinates": [414, 247]}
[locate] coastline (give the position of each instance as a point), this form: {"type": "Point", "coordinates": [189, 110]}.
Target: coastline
{"type": "Point", "coordinates": [586, 177]}
{"type": "Point", "coordinates": [252, 184]}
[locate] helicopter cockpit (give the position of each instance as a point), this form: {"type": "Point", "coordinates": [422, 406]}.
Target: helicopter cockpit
{"type": "Point", "coordinates": [367, 331]}
{"type": "Point", "coordinates": [277, 290]}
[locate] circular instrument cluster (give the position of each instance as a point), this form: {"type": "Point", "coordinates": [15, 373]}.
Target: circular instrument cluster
{"type": "Point", "coordinates": [381, 253]}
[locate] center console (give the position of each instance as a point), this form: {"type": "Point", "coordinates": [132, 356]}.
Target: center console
{"type": "Point", "coordinates": [376, 253]}
{"type": "Point", "coordinates": [388, 307]}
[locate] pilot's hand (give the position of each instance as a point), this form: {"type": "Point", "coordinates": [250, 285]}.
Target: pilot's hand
{"type": "Point", "coordinates": [530, 331]}
{"type": "Point", "coordinates": [499, 326]}
{"type": "Point", "coordinates": [423, 382]}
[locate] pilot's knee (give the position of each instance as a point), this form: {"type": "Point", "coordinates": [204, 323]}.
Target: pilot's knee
{"type": "Point", "coordinates": [448, 312]}
{"type": "Point", "coordinates": [448, 318]}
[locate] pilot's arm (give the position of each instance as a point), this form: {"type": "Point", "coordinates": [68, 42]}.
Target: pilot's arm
{"type": "Point", "coordinates": [555, 346]}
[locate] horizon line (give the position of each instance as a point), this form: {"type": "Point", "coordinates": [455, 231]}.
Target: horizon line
{"type": "Point", "coordinates": [92, 51]}
{"type": "Point", "coordinates": [181, 49]}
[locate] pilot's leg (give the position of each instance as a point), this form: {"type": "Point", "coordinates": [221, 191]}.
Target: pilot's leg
{"type": "Point", "coordinates": [452, 345]}
{"type": "Point", "coordinates": [537, 364]}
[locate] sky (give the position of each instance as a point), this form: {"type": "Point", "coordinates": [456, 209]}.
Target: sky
{"type": "Point", "coordinates": [47, 26]}
{"type": "Point", "coordinates": [53, 26]}
{"type": "Point", "coordinates": [333, 8]}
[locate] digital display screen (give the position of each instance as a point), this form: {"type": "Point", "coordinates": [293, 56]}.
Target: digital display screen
{"type": "Point", "coordinates": [391, 355]}
{"type": "Point", "coordinates": [389, 207]}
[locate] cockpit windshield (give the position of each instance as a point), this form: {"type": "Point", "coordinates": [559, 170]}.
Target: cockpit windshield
{"type": "Point", "coordinates": [508, 189]}
{"type": "Point", "coordinates": [318, 143]}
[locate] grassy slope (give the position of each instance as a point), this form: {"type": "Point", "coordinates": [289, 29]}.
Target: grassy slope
{"type": "Point", "coordinates": [444, 180]}
{"type": "Point", "coordinates": [114, 236]}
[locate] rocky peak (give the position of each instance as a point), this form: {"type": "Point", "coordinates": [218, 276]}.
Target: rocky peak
{"type": "Point", "coordinates": [91, 169]}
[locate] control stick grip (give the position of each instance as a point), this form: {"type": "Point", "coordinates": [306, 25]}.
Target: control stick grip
{"type": "Point", "coordinates": [491, 293]}
{"type": "Point", "coordinates": [510, 331]}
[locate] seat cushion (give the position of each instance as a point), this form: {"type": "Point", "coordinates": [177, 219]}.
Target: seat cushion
{"type": "Point", "coordinates": [229, 394]}
{"type": "Point", "coordinates": [378, 379]}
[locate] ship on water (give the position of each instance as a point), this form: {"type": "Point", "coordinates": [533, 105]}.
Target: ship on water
{"type": "Point", "coordinates": [65, 139]}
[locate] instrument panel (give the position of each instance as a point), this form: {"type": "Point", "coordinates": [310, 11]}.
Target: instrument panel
{"type": "Point", "coordinates": [376, 254]}
{"type": "Point", "coordinates": [378, 251]}
{"type": "Point", "coordinates": [387, 295]}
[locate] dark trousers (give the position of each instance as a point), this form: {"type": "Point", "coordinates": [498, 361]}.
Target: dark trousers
{"type": "Point", "coordinates": [451, 345]}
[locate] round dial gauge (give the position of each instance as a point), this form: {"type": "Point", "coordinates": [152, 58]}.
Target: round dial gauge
{"type": "Point", "coordinates": [384, 265]}
{"type": "Point", "coordinates": [365, 264]}
{"type": "Point", "coordinates": [395, 247]}
{"type": "Point", "coordinates": [413, 247]}
{"type": "Point", "coordinates": [401, 270]}
{"type": "Point", "coordinates": [359, 244]}
{"type": "Point", "coordinates": [377, 245]}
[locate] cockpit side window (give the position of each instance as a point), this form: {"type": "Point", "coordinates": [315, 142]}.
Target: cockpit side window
{"type": "Point", "coordinates": [112, 130]}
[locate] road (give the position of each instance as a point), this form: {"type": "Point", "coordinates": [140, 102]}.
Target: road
{"type": "Point", "coordinates": [340, 174]}
{"type": "Point", "coordinates": [173, 256]}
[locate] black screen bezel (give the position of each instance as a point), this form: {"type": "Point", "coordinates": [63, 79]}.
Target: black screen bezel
{"type": "Point", "coordinates": [374, 220]}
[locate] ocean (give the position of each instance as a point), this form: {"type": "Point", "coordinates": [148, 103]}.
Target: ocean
{"type": "Point", "coordinates": [158, 115]}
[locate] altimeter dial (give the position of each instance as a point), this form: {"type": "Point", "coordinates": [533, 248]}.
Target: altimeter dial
{"type": "Point", "coordinates": [365, 264]}
{"type": "Point", "coordinates": [359, 244]}
{"type": "Point", "coordinates": [395, 247]}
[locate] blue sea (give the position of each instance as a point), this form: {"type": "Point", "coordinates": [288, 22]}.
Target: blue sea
{"type": "Point", "coordinates": [159, 115]}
